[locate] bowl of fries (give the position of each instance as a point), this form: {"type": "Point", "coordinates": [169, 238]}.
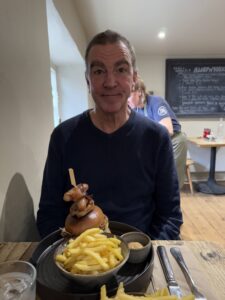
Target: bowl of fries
{"type": "Point", "coordinates": [92, 258]}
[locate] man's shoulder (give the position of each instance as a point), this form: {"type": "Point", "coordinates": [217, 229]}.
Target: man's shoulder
{"type": "Point", "coordinates": [74, 121]}
{"type": "Point", "coordinates": [67, 127]}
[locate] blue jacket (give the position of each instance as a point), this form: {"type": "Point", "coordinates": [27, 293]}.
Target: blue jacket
{"type": "Point", "coordinates": [130, 173]}
{"type": "Point", "coordinates": [157, 108]}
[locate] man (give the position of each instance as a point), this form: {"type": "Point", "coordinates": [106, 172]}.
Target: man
{"type": "Point", "coordinates": [157, 109]}
{"type": "Point", "coordinates": [126, 159]}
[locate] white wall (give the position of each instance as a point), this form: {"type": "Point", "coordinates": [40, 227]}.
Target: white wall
{"type": "Point", "coordinates": [66, 42]}
{"type": "Point", "coordinates": [26, 117]}
{"type": "Point", "coordinates": [152, 71]}
{"type": "Point", "coordinates": [71, 20]}
{"type": "Point", "coordinates": [73, 93]}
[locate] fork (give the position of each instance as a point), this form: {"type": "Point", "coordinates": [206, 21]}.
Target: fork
{"type": "Point", "coordinates": [175, 251]}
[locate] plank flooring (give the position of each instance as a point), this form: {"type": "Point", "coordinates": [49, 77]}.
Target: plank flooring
{"type": "Point", "coordinates": [204, 216]}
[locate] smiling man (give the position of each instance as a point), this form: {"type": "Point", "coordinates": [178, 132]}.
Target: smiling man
{"type": "Point", "coordinates": [126, 159]}
{"type": "Point", "coordinates": [110, 76]}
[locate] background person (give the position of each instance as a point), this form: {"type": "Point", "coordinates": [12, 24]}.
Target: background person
{"type": "Point", "coordinates": [156, 108]}
{"type": "Point", "coordinates": [126, 159]}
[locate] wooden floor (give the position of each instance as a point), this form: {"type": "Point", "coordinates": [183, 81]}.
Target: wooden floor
{"type": "Point", "coordinates": [204, 216]}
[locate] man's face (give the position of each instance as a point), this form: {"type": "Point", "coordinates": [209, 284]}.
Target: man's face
{"type": "Point", "coordinates": [110, 76]}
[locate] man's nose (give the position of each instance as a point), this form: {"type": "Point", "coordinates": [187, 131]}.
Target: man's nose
{"type": "Point", "coordinates": [110, 79]}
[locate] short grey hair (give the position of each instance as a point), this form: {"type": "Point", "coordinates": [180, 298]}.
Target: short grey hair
{"type": "Point", "coordinates": [110, 37]}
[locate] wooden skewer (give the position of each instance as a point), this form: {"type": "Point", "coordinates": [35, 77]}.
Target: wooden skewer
{"type": "Point", "coordinates": [72, 177]}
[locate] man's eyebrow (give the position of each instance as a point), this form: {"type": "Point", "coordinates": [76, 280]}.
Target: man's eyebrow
{"type": "Point", "coordinates": [96, 63]}
{"type": "Point", "coordinates": [122, 62]}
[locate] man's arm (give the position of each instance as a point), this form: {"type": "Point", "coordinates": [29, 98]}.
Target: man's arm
{"type": "Point", "coordinates": [167, 217]}
{"type": "Point", "coordinates": [52, 208]}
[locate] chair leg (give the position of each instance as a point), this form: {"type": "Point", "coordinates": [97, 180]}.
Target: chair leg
{"type": "Point", "coordinates": [189, 179]}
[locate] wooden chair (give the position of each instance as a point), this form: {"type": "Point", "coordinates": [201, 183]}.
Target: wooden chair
{"type": "Point", "coordinates": [189, 162]}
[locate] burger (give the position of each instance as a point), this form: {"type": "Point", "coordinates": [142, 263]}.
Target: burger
{"type": "Point", "coordinates": [83, 214]}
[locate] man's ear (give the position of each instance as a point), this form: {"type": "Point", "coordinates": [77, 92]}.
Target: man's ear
{"type": "Point", "coordinates": [135, 77]}
{"type": "Point", "coordinates": [87, 80]}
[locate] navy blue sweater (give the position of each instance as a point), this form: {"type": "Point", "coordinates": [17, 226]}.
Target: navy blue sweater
{"type": "Point", "coordinates": [130, 173]}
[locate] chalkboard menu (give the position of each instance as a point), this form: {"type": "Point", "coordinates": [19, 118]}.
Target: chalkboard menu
{"type": "Point", "coordinates": [196, 87]}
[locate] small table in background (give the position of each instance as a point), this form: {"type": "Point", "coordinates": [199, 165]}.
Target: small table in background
{"type": "Point", "coordinates": [211, 186]}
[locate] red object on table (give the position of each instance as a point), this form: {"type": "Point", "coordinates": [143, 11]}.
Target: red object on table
{"type": "Point", "coordinates": [206, 132]}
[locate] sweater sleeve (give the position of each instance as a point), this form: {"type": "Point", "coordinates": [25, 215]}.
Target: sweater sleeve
{"type": "Point", "coordinates": [167, 217]}
{"type": "Point", "coordinates": [158, 108]}
{"type": "Point", "coordinates": [52, 208]}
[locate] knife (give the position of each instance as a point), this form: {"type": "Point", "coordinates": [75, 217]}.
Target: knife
{"type": "Point", "coordinates": [168, 272]}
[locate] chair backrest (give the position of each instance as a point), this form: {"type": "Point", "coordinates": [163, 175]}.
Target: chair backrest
{"type": "Point", "coordinates": [189, 162]}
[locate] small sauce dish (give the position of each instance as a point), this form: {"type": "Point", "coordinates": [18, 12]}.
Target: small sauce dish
{"type": "Point", "coordinates": [139, 244]}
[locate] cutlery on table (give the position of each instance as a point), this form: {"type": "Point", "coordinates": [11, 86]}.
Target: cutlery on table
{"type": "Point", "coordinates": [168, 272]}
{"type": "Point", "coordinates": [175, 251]}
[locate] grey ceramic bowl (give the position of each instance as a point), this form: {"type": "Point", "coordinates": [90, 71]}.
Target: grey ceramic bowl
{"type": "Point", "coordinates": [138, 255]}
{"type": "Point", "coordinates": [94, 280]}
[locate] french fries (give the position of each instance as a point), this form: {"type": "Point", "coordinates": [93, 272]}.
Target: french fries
{"type": "Point", "coordinates": [92, 252]}
{"type": "Point", "coordinates": [162, 294]}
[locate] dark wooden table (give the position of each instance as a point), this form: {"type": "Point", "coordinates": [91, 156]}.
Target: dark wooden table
{"type": "Point", "coordinates": [205, 260]}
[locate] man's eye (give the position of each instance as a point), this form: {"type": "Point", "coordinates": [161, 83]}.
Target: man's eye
{"type": "Point", "coordinates": [122, 70]}
{"type": "Point", "coordinates": [97, 71]}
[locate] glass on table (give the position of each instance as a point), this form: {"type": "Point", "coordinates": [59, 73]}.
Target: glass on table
{"type": "Point", "coordinates": [220, 131]}
{"type": "Point", "coordinates": [17, 280]}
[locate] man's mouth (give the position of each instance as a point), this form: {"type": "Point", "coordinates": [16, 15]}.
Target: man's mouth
{"type": "Point", "coordinates": [111, 95]}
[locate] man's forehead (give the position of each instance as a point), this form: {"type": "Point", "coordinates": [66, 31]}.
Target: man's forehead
{"type": "Point", "coordinates": [109, 53]}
